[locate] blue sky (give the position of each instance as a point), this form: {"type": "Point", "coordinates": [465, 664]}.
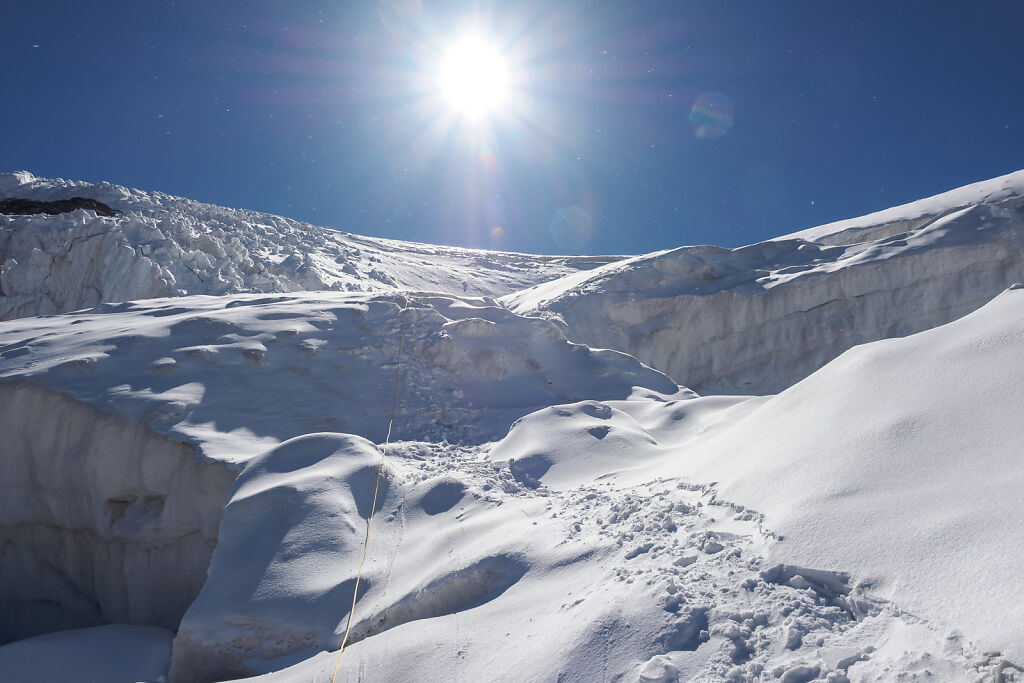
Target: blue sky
{"type": "Point", "coordinates": [329, 112]}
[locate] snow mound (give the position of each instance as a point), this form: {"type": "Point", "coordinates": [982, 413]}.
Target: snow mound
{"type": "Point", "coordinates": [757, 319]}
{"type": "Point", "coordinates": [551, 448]}
{"type": "Point", "coordinates": [283, 574]}
{"type": "Point", "coordinates": [169, 246]}
{"type": "Point", "coordinates": [285, 568]}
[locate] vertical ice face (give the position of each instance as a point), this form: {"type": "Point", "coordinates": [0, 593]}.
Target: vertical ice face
{"type": "Point", "coordinates": [102, 520]}
{"type": "Point", "coordinates": [757, 319]}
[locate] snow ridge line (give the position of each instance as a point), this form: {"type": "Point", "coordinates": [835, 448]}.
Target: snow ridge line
{"type": "Point", "coordinates": [376, 489]}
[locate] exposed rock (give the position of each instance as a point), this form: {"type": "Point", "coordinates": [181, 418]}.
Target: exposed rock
{"type": "Point", "coordinates": [26, 207]}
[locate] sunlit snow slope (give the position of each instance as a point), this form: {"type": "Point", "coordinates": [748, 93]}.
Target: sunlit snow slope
{"type": "Point", "coordinates": [187, 463]}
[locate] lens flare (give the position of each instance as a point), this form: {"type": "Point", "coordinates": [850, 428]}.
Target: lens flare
{"type": "Point", "coordinates": [571, 227]}
{"type": "Point", "coordinates": [488, 161]}
{"type": "Point", "coordinates": [711, 115]}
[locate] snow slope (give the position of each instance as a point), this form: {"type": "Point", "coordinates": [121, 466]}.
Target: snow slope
{"type": "Point", "coordinates": [757, 319]}
{"type": "Point", "coordinates": [169, 246]}
{"type": "Point", "coordinates": [204, 462]}
{"type": "Point", "coordinates": [899, 463]}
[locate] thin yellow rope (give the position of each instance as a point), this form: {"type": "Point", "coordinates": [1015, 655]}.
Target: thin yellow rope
{"type": "Point", "coordinates": [376, 489]}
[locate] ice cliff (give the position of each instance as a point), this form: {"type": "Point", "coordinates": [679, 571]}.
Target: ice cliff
{"type": "Point", "coordinates": [757, 319]}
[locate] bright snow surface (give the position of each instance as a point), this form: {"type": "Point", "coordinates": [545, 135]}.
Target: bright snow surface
{"type": "Point", "coordinates": [205, 462]}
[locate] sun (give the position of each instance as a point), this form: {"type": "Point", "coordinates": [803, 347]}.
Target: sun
{"type": "Point", "coordinates": [473, 77]}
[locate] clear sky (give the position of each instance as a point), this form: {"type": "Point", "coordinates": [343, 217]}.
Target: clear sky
{"type": "Point", "coordinates": [584, 126]}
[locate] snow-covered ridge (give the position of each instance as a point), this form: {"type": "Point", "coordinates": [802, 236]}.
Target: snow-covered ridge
{"type": "Point", "coordinates": [907, 217]}
{"type": "Point", "coordinates": [170, 246]}
{"type": "Point", "coordinates": [759, 318]}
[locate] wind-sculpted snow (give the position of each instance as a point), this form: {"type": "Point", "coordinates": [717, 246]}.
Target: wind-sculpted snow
{"type": "Point", "coordinates": [757, 319]}
{"type": "Point", "coordinates": [146, 383]}
{"type": "Point", "coordinates": [169, 246]}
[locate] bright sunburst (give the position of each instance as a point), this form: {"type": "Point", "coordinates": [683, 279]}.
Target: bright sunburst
{"type": "Point", "coordinates": [474, 77]}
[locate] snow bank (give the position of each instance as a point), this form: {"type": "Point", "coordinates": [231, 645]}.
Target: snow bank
{"type": "Point", "coordinates": [169, 246]}
{"type": "Point", "coordinates": [207, 370]}
{"type": "Point", "coordinates": [885, 485]}
{"type": "Point", "coordinates": [284, 571]}
{"type": "Point", "coordinates": [449, 567]}
{"type": "Point", "coordinates": [757, 319]}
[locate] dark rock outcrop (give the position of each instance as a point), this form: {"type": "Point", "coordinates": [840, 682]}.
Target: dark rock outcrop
{"type": "Point", "coordinates": [23, 207]}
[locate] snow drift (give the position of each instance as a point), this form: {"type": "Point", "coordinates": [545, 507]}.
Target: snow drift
{"type": "Point", "coordinates": [206, 370]}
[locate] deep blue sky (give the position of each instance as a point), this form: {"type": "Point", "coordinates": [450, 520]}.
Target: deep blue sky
{"type": "Point", "coordinates": [315, 110]}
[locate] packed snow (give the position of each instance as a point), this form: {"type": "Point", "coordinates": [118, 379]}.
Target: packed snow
{"type": "Point", "coordinates": [189, 461]}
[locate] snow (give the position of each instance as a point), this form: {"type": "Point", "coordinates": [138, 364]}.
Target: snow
{"type": "Point", "coordinates": [170, 246]}
{"type": "Point", "coordinates": [900, 462]}
{"type": "Point", "coordinates": [840, 501]}
{"type": "Point", "coordinates": [200, 370]}
{"type": "Point", "coordinates": [104, 654]}
{"type": "Point", "coordinates": [915, 214]}
{"type": "Point", "coordinates": [757, 319]}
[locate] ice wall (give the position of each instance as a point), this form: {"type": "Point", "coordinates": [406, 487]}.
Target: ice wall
{"type": "Point", "coordinates": [757, 319]}
{"type": "Point", "coordinates": [102, 521]}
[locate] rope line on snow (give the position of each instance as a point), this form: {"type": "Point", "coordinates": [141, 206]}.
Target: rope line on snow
{"type": "Point", "coordinates": [376, 489]}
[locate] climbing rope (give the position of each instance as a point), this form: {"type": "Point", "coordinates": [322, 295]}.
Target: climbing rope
{"type": "Point", "coordinates": [376, 489]}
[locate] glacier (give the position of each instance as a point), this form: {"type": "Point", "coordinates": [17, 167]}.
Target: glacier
{"type": "Point", "coordinates": [757, 319]}
{"type": "Point", "coordinates": [797, 459]}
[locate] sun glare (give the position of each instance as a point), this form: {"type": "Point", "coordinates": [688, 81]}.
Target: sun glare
{"type": "Point", "coordinates": [473, 78]}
